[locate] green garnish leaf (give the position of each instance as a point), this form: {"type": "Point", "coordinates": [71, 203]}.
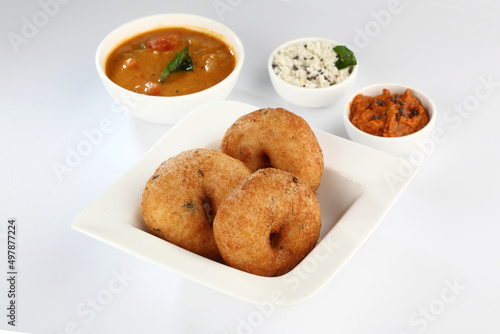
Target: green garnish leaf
{"type": "Point", "coordinates": [346, 57]}
{"type": "Point", "coordinates": [187, 62]}
{"type": "Point", "coordinates": [182, 62]}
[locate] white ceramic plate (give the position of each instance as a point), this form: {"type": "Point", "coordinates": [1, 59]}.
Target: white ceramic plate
{"type": "Point", "coordinates": [358, 187]}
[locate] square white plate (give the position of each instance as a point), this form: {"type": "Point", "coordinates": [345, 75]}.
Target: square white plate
{"type": "Point", "coordinates": [358, 187]}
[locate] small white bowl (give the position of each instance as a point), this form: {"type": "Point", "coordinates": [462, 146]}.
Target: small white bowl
{"type": "Point", "coordinates": [309, 97]}
{"type": "Point", "coordinates": [168, 109]}
{"type": "Point", "coordinates": [398, 146]}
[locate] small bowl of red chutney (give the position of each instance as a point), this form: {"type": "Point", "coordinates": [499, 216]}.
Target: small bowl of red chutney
{"type": "Point", "coordinates": [389, 117]}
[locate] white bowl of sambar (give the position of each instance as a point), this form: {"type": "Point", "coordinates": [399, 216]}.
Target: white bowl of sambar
{"type": "Point", "coordinates": [161, 67]}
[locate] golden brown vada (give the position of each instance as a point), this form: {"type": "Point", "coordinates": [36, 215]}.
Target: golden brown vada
{"type": "Point", "coordinates": [268, 224]}
{"type": "Point", "coordinates": [276, 137]}
{"type": "Point", "coordinates": [184, 194]}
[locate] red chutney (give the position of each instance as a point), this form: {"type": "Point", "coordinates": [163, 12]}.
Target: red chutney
{"type": "Point", "coordinates": [388, 115]}
{"type": "Point", "coordinates": [137, 64]}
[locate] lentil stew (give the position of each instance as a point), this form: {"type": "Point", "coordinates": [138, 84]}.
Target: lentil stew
{"type": "Point", "coordinates": [137, 63]}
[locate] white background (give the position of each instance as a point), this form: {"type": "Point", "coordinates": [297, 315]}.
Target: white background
{"type": "Point", "coordinates": [432, 266]}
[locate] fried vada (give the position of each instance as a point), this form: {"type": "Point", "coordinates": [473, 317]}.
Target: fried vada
{"type": "Point", "coordinates": [276, 137]}
{"type": "Point", "coordinates": [268, 224]}
{"type": "Point", "coordinates": [184, 194]}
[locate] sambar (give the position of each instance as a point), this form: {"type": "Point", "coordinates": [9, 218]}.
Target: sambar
{"type": "Point", "coordinates": [138, 62]}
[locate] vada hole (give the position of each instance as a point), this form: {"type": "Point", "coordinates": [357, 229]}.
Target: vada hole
{"type": "Point", "coordinates": [208, 211]}
{"type": "Point", "coordinates": [264, 162]}
{"type": "Point", "coordinates": [274, 238]}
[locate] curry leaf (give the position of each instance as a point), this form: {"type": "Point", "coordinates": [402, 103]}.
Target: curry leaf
{"type": "Point", "coordinates": [346, 57]}
{"type": "Point", "coordinates": [182, 61]}
{"type": "Point", "coordinates": [187, 62]}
